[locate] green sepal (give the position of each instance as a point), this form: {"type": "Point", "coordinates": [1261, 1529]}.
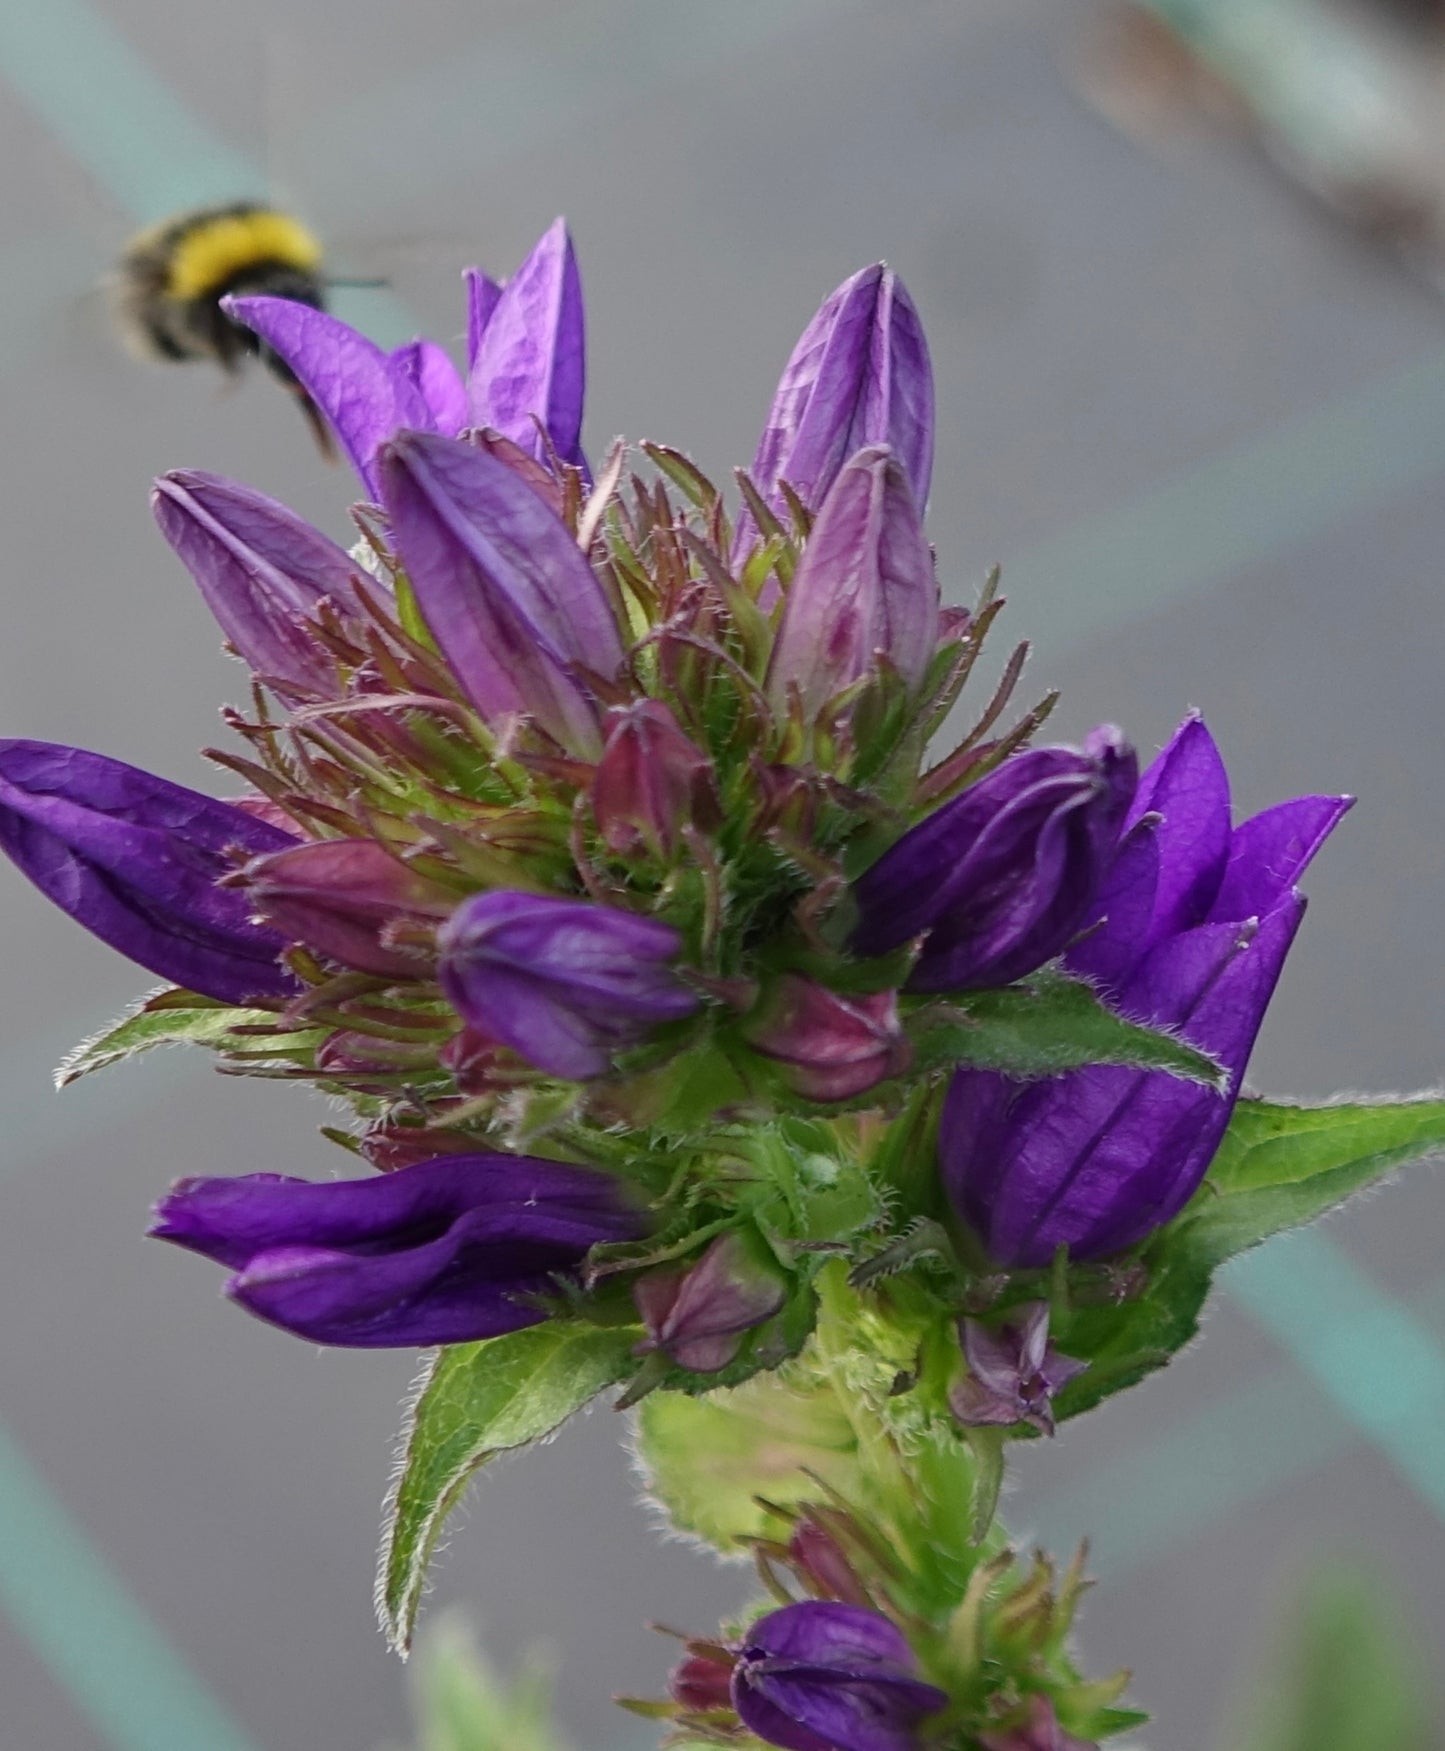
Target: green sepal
{"type": "Point", "coordinates": [1044, 1026]}
{"type": "Point", "coordinates": [1278, 1168]}
{"type": "Point", "coordinates": [172, 1017]}
{"type": "Point", "coordinates": [473, 1402]}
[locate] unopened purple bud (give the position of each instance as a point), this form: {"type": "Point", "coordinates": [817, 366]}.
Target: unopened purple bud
{"type": "Point", "coordinates": [137, 860]}
{"type": "Point", "coordinates": [702, 1683]}
{"type": "Point", "coordinates": [507, 593]}
{"type": "Point", "coordinates": [698, 1315]}
{"type": "Point", "coordinates": [651, 782]}
{"type": "Point", "coordinates": [442, 1252]}
{"type": "Point", "coordinates": [564, 983]}
{"type": "Point", "coordinates": [859, 375]}
{"type": "Point", "coordinates": [341, 898]}
{"type": "Point", "coordinates": [864, 590]}
{"type": "Point", "coordinates": [823, 1564]}
{"type": "Point", "coordinates": [831, 1047]}
{"type": "Point", "coordinates": [1040, 1731]}
{"type": "Point", "coordinates": [262, 570]}
{"type": "Point", "coordinates": [821, 1676]}
{"type": "Point", "coordinates": [527, 346]}
{"type": "Point", "coordinates": [1002, 877]}
{"type": "Point", "coordinates": [1189, 931]}
{"type": "Point", "coordinates": [1013, 1372]}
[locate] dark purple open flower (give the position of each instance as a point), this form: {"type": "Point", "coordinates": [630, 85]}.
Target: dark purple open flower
{"type": "Point", "coordinates": [441, 1252]}
{"type": "Point", "coordinates": [136, 860]}
{"type": "Point", "coordinates": [564, 983]}
{"type": "Point", "coordinates": [1001, 878]}
{"type": "Point", "coordinates": [1013, 1372]}
{"type": "Point", "coordinates": [821, 1676]}
{"type": "Point", "coordinates": [1190, 932]}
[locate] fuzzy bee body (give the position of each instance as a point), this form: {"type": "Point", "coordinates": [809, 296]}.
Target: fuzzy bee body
{"type": "Point", "coordinates": [171, 280]}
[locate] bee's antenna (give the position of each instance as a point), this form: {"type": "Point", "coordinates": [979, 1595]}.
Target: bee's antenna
{"type": "Point", "coordinates": [353, 284]}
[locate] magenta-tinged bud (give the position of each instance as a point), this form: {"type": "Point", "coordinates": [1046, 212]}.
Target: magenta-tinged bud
{"type": "Point", "coordinates": [262, 570]}
{"type": "Point", "coordinates": [1039, 1731]}
{"type": "Point", "coordinates": [508, 595]}
{"type": "Point", "coordinates": [698, 1316]}
{"type": "Point", "coordinates": [831, 1047]}
{"type": "Point", "coordinates": [341, 897]}
{"type": "Point", "coordinates": [702, 1683]}
{"type": "Point", "coordinates": [859, 375]}
{"type": "Point", "coordinates": [1013, 1373]}
{"type": "Point", "coordinates": [864, 590]}
{"type": "Point", "coordinates": [823, 1564]}
{"type": "Point", "coordinates": [651, 782]}
{"type": "Point", "coordinates": [564, 983]}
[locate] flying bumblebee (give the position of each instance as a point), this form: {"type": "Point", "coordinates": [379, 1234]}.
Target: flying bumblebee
{"type": "Point", "coordinates": [171, 279]}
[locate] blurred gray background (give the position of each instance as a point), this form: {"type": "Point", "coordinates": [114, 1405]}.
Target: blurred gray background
{"type": "Point", "coordinates": [1203, 429]}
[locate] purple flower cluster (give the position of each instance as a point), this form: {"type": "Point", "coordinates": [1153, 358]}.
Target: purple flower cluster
{"type": "Point", "coordinates": [570, 786]}
{"type": "Point", "coordinates": [1188, 931]}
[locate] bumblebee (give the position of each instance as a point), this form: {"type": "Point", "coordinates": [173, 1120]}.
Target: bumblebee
{"type": "Point", "coordinates": [171, 279]}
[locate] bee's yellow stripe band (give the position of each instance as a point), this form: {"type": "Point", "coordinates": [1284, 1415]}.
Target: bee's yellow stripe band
{"type": "Point", "coordinates": [214, 252]}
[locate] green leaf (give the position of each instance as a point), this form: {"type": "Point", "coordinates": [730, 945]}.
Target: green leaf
{"type": "Point", "coordinates": [475, 1401]}
{"type": "Point", "coordinates": [1278, 1168]}
{"type": "Point", "coordinates": [708, 1460]}
{"type": "Point", "coordinates": [1046, 1026]}
{"type": "Point", "coordinates": [195, 1022]}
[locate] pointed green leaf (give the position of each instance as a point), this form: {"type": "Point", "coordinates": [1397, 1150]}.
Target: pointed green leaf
{"type": "Point", "coordinates": [1278, 1168]}
{"type": "Point", "coordinates": [475, 1401]}
{"type": "Point", "coordinates": [1045, 1027]}
{"type": "Point", "coordinates": [179, 1018]}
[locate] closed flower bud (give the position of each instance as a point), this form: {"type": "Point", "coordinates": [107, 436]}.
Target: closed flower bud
{"type": "Point", "coordinates": [509, 597]}
{"type": "Point", "coordinates": [442, 1252]}
{"type": "Point", "coordinates": [342, 897]}
{"type": "Point", "coordinates": [1000, 879]}
{"type": "Point", "coordinates": [823, 1675]}
{"type": "Point", "coordinates": [1013, 1372]}
{"type": "Point", "coordinates": [1189, 931]}
{"type": "Point", "coordinates": [864, 590]}
{"type": "Point", "coordinates": [702, 1683]}
{"type": "Point", "coordinates": [859, 375]}
{"type": "Point", "coordinates": [136, 860]}
{"type": "Point", "coordinates": [823, 1565]}
{"type": "Point", "coordinates": [830, 1046]}
{"type": "Point", "coordinates": [698, 1315]}
{"type": "Point", "coordinates": [262, 571]}
{"type": "Point", "coordinates": [1038, 1731]}
{"type": "Point", "coordinates": [564, 983]}
{"type": "Point", "coordinates": [650, 783]}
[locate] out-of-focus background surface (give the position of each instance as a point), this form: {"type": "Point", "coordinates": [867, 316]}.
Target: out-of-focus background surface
{"type": "Point", "coordinates": [1199, 421]}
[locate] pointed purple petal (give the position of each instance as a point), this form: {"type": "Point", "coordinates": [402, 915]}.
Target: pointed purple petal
{"type": "Point", "coordinates": [482, 295]}
{"type": "Point", "coordinates": [349, 378]}
{"type": "Point", "coordinates": [427, 366]}
{"type": "Point", "coordinates": [1188, 788]}
{"type": "Point", "coordinates": [530, 361]}
{"type": "Point", "coordinates": [1270, 852]}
